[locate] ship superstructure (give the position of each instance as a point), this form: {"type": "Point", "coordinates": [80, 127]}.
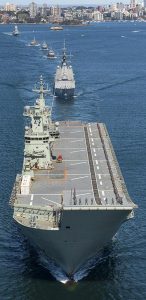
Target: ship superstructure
{"type": "Point", "coordinates": [71, 198]}
{"type": "Point", "coordinates": [64, 83]}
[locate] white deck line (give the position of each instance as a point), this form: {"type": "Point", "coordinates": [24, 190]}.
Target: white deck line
{"type": "Point", "coordinates": [59, 174]}
{"type": "Point", "coordinates": [79, 177]}
{"type": "Point", "coordinates": [76, 131]}
{"type": "Point", "coordinates": [77, 151]}
{"type": "Point", "coordinates": [20, 195]}
{"type": "Point", "coordinates": [68, 148]}
{"type": "Point", "coordinates": [76, 141]}
{"type": "Point", "coordinates": [51, 201]}
{"type": "Point", "coordinates": [79, 163]}
{"type": "Point", "coordinates": [84, 194]}
{"type": "Point", "coordinates": [75, 160]}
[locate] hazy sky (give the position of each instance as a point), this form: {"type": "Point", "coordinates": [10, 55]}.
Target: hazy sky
{"type": "Point", "coordinates": [64, 2]}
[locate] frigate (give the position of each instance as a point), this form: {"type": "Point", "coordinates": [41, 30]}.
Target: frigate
{"type": "Point", "coordinates": [64, 83]}
{"type": "Point", "coordinates": [71, 198]}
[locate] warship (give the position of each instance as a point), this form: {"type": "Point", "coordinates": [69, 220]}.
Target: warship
{"type": "Point", "coordinates": [44, 46]}
{"type": "Point", "coordinates": [51, 54]}
{"type": "Point", "coordinates": [70, 198]}
{"type": "Point", "coordinates": [34, 43]}
{"type": "Point", "coordinates": [64, 83]}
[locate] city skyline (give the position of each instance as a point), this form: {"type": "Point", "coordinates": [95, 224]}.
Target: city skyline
{"type": "Point", "coordinates": [65, 2]}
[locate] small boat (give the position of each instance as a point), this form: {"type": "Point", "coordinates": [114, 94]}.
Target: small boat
{"type": "Point", "coordinates": [51, 54]}
{"type": "Point", "coordinates": [16, 32]}
{"type": "Point", "coordinates": [34, 42]}
{"type": "Point", "coordinates": [56, 28]}
{"type": "Point", "coordinates": [44, 46]}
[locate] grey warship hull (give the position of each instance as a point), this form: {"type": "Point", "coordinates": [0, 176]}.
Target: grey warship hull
{"type": "Point", "coordinates": [73, 210]}
{"type": "Point", "coordinates": [64, 93]}
{"type": "Point", "coordinates": [89, 232]}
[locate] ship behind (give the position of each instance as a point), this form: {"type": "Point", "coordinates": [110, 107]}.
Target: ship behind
{"type": "Point", "coordinates": [64, 83]}
{"type": "Point", "coordinates": [70, 199]}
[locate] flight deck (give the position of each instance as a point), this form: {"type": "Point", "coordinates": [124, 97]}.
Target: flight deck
{"type": "Point", "coordinates": [88, 174]}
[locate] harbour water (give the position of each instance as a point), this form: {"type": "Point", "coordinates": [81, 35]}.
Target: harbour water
{"type": "Point", "coordinates": [109, 61]}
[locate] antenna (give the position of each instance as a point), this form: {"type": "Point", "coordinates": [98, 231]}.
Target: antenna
{"type": "Point", "coordinates": [41, 88]}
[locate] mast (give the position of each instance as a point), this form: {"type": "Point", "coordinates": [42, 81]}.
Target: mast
{"type": "Point", "coordinates": [42, 89]}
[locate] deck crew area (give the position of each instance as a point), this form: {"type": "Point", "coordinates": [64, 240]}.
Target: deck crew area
{"type": "Point", "coordinates": [88, 175]}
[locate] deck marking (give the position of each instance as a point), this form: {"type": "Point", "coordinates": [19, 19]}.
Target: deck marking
{"type": "Point", "coordinates": [95, 154]}
{"type": "Point", "coordinates": [84, 194]}
{"type": "Point", "coordinates": [93, 144]}
{"type": "Point", "coordinates": [76, 141]}
{"type": "Point", "coordinates": [78, 151]}
{"type": "Point", "coordinates": [92, 140]}
{"type": "Point", "coordinates": [96, 162]}
{"type": "Point", "coordinates": [76, 131]}
{"type": "Point", "coordinates": [31, 197]}
{"type": "Point", "coordinates": [90, 129]}
{"type": "Point", "coordinates": [100, 182]}
{"type": "Point", "coordinates": [99, 176]}
{"type": "Point", "coordinates": [79, 163]}
{"type": "Point", "coordinates": [103, 193]}
{"type": "Point", "coordinates": [79, 177]}
{"type": "Point", "coordinates": [30, 203]}
{"type": "Point", "coordinates": [94, 150]}
{"type": "Point", "coordinates": [51, 201]}
{"type": "Point", "coordinates": [91, 134]}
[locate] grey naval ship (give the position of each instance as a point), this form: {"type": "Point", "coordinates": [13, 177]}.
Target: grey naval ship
{"type": "Point", "coordinates": [70, 199]}
{"type": "Point", "coordinates": [64, 83]}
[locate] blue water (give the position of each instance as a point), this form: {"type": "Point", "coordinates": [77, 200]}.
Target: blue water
{"type": "Point", "coordinates": [109, 62]}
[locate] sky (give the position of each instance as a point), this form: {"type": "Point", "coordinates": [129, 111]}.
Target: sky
{"type": "Point", "coordinates": [64, 2]}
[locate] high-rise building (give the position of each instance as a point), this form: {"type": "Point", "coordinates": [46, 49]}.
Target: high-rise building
{"type": "Point", "coordinates": [133, 3]}
{"type": "Point", "coordinates": [10, 7]}
{"type": "Point", "coordinates": [43, 9]}
{"type": "Point", "coordinates": [33, 9]}
{"type": "Point", "coordinates": [97, 15]}
{"type": "Point", "coordinates": [56, 11]}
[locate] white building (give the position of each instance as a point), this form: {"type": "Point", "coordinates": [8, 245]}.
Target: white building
{"type": "Point", "coordinates": [10, 7]}
{"type": "Point", "coordinates": [33, 9]}
{"type": "Point", "coordinates": [133, 4]}
{"type": "Point", "coordinates": [97, 16]}
{"type": "Point", "coordinates": [56, 11]}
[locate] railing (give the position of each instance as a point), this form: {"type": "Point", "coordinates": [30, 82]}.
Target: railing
{"type": "Point", "coordinates": [38, 217]}
{"type": "Point", "coordinates": [15, 190]}
{"type": "Point", "coordinates": [118, 197]}
{"type": "Point", "coordinates": [118, 168]}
